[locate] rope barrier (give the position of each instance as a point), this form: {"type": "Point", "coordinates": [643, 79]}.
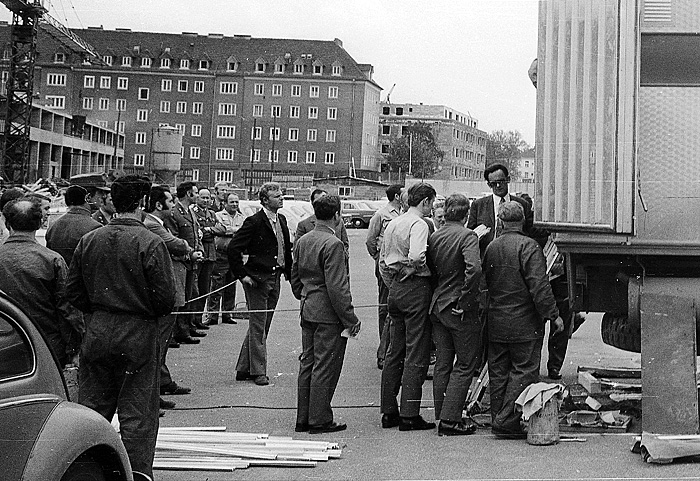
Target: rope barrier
{"type": "Point", "coordinates": [248, 311]}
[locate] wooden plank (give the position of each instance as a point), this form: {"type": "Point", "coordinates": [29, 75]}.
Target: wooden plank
{"type": "Point", "coordinates": [613, 372]}
{"type": "Point", "coordinates": [589, 382]}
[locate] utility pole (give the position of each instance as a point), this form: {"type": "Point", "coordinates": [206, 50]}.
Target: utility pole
{"type": "Point", "coordinates": [410, 152]}
{"type": "Point", "coordinates": [252, 154]}
{"type": "Point", "coordinates": [274, 136]}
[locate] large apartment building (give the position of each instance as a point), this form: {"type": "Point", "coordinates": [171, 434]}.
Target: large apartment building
{"type": "Point", "coordinates": [456, 134]}
{"type": "Point", "coordinates": [248, 108]}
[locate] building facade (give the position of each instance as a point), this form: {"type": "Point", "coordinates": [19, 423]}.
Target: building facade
{"type": "Point", "coordinates": [526, 167]}
{"type": "Point", "coordinates": [248, 108]}
{"type": "Point", "coordinates": [456, 134]}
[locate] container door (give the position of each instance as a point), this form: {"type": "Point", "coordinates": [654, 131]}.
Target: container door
{"type": "Point", "coordinates": [585, 132]}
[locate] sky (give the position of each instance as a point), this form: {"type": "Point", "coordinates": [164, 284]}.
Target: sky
{"type": "Point", "coordinates": [470, 55]}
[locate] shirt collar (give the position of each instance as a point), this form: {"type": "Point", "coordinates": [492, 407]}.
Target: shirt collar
{"type": "Point", "coordinates": [497, 199]}
{"type": "Point", "coordinates": [156, 218]}
{"type": "Point", "coordinates": [272, 216]}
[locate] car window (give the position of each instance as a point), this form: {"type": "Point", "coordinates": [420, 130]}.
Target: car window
{"type": "Point", "coordinates": [16, 357]}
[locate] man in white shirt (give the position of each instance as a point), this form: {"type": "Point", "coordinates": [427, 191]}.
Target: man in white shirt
{"type": "Point", "coordinates": [404, 266]}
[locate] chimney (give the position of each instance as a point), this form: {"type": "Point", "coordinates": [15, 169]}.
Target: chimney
{"type": "Point", "coordinates": [338, 42]}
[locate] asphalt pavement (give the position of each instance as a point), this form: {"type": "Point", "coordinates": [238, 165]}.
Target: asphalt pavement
{"type": "Point", "coordinates": [370, 452]}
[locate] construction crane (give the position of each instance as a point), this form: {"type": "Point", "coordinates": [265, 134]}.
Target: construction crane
{"type": "Point", "coordinates": [27, 18]}
{"type": "Point", "coordinates": [388, 96]}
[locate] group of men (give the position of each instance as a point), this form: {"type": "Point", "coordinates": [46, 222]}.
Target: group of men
{"type": "Point", "coordinates": [470, 283]}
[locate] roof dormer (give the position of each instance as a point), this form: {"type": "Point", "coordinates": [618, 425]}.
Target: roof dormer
{"type": "Point", "coordinates": [260, 65]}
{"type": "Point", "coordinates": [280, 65]}
{"type": "Point", "coordinates": [337, 69]}
{"type": "Point", "coordinates": [299, 66]}
{"type": "Point", "coordinates": [317, 67]}
{"type": "Point", "coordinates": [232, 64]}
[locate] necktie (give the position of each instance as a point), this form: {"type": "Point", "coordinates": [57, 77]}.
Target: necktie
{"type": "Point", "coordinates": [498, 225]}
{"type": "Point", "coordinates": [280, 243]}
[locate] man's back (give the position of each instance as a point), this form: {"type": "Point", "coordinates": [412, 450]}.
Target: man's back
{"type": "Point", "coordinates": [122, 268]}
{"type": "Point", "coordinates": [64, 233]}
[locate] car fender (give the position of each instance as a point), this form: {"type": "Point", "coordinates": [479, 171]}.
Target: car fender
{"type": "Point", "coordinates": [70, 431]}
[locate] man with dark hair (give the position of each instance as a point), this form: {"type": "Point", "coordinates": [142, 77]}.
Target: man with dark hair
{"type": "Point", "coordinates": [520, 303]}
{"type": "Point", "coordinates": [105, 208]}
{"type": "Point", "coordinates": [63, 234]}
{"type": "Point", "coordinates": [320, 281]}
{"type": "Point", "coordinates": [308, 224]}
{"type": "Point", "coordinates": [231, 219]}
{"type": "Point", "coordinates": [35, 277]}
{"type": "Point", "coordinates": [407, 275]}
{"type": "Point", "coordinates": [7, 196]}
{"type": "Point", "coordinates": [120, 355]}
{"type": "Point", "coordinates": [264, 237]}
{"type": "Point", "coordinates": [45, 202]}
{"type": "Point", "coordinates": [159, 207]}
{"type": "Point", "coordinates": [183, 224]}
{"type": "Point", "coordinates": [375, 235]}
{"type": "Point", "coordinates": [482, 215]}
{"type": "Point", "coordinates": [453, 257]}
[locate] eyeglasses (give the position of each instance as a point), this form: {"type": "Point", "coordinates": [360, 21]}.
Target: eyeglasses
{"type": "Point", "coordinates": [496, 183]}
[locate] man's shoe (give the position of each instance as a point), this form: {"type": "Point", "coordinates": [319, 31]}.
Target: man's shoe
{"type": "Point", "coordinates": [201, 325]}
{"type": "Point", "coordinates": [196, 333]}
{"type": "Point", "coordinates": [460, 428]}
{"type": "Point", "coordinates": [331, 427]}
{"type": "Point", "coordinates": [212, 321]}
{"type": "Point", "coordinates": [380, 364]}
{"type": "Point", "coordinates": [301, 428]}
{"type": "Point", "coordinates": [243, 376]}
{"type": "Point", "coordinates": [390, 420]}
{"type": "Point", "coordinates": [187, 340]}
{"type": "Point", "coordinates": [228, 320]}
{"type": "Point", "coordinates": [554, 374]}
{"type": "Point", "coordinates": [262, 380]}
{"type": "Point", "coordinates": [415, 423]}
{"type": "Point", "coordinates": [165, 404]}
{"type": "Point", "coordinates": [506, 434]}
{"type": "Point", "coordinates": [173, 345]}
{"type": "Point", "coordinates": [173, 388]}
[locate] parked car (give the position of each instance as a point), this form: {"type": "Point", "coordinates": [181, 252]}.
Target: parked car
{"type": "Point", "coordinates": [44, 436]}
{"type": "Point", "coordinates": [293, 210]}
{"type": "Point", "coordinates": [355, 213]}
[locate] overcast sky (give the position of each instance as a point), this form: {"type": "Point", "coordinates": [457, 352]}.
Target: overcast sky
{"type": "Point", "coordinates": [471, 55]}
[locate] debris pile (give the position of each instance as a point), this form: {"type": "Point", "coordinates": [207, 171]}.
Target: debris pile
{"type": "Point", "coordinates": [215, 449]}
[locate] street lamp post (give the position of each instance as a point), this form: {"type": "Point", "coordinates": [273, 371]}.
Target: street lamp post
{"type": "Point", "coordinates": [252, 154]}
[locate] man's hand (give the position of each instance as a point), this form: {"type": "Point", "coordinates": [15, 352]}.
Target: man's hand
{"type": "Point", "coordinates": [456, 311]}
{"type": "Point", "coordinates": [197, 256]}
{"type": "Point", "coordinates": [355, 330]}
{"type": "Point", "coordinates": [556, 326]}
{"type": "Point", "coordinates": [249, 281]}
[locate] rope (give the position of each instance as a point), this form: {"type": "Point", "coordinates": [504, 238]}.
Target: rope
{"type": "Point", "coordinates": [248, 311]}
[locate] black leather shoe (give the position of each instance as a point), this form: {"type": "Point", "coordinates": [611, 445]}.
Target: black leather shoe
{"type": "Point", "coordinates": [187, 340]}
{"type": "Point", "coordinates": [390, 420]}
{"type": "Point", "coordinates": [331, 427]}
{"type": "Point", "coordinates": [201, 325]}
{"type": "Point", "coordinates": [196, 333]}
{"type": "Point", "coordinates": [165, 404]}
{"type": "Point", "coordinates": [243, 376]}
{"type": "Point", "coordinates": [380, 364]}
{"type": "Point", "coordinates": [415, 423]}
{"type": "Point", "coordinates": [506, 434]}
{"type": "Point", "coordinates": [261, 380]}
{"type": "Point", "coordinates": [301, 428]}
{"type": "Point", "coordinates": [173, 345]}
{"type": "Point", "coordinates": [173, 388]}
{"type": "Point", "coordinates": [447, 428]}
{"type": "Point", "coordinates": [554, 374]}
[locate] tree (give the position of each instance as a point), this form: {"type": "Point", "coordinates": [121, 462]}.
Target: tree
{"type": "Point", "coordinates": [506, 148]}
{"type": "Point", "coordinates": [416, 146]}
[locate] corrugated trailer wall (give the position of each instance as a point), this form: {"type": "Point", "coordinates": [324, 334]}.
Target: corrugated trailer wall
{"type": "Point", "coordinates": [586, 89]}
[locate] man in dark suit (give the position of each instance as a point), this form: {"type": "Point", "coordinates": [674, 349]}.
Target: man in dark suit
{"type": "Point", "coordinates": [320, 281]}
{"type": "Point", "coordinates": [453, 258]}
{"type": "Point", "coordinates": [264, 237]}
{"type": "Point", "coordinates": [484, 210]}
{"type": "Point", "coordinates": [183, 224]}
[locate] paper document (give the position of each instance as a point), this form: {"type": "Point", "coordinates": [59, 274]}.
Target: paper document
{"type": "Point", "coordinates": [481, 230]}
{"type": "Point", "coordinates": [346, 333]}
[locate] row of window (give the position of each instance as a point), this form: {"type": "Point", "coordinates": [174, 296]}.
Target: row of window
{"type": "Point", "coordinates": [229, 132]}
{"type": "Point", "coordinates": [227, 154]}
{"type": "Point", "coordinates": [294, 112]}
{"type": "Point", "coordinates": [295, 90]}
{"type": "Point", "coordinates": [232, 65]}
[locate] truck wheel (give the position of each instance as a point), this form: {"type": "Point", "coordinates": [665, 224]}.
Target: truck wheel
{"type": "Point", "coordinates": [84, 469]}
{"type": "Point", "coordinates": [618, 331]}
{"type": "Point", "coordinates": [358, 223]}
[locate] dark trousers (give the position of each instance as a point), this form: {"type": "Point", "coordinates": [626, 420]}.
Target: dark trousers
{"type": "Point", "coordinates": [165, 328]}
{"type": "Point", "coordinates": [512, 367]}
{"type": "Point", "coordinates": [119, 371]}
{"type": "Point", "coordinates": [455, 337]}
{"type": "Point", "coordinates": [184, 322]}
{"type": "Point", "coordinates": [203, 282]}
{"type": "Point", "coordinates": [408, 353]}
{"type": "Point", "coordinates": [253, 356]}
{"type": "Point", "coordinates": [224, 299]}
{"type": "Point", "coordinates": [559, 342]}
{"type": "Point", "coordinates": [320, 363]}
{"type": "Point", "coordinates": [382, 312]}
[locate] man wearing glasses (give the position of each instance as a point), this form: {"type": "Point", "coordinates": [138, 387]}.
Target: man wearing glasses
{"type": "Point", "coordinates": [482, 215]}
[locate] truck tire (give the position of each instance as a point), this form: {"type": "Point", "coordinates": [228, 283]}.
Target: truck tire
{"type": "Point", "coordinates": [619, 332]}
{"type": "Point", "coordinates": [84, 469]}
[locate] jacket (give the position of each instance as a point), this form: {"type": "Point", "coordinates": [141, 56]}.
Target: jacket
{"type": "Point", "coordinates": [481, 212]}
{"type": "Point", "coordinates": [65, 232]}
{"type": "Point", "coordinates": [320, 279]}
{"type": "Point", "coordinates": [258, 241]}
{"type": "Point", "coordinates": [183, 224]}
{"type": "Point", "coordinates": [210, 227]}
{"type": "Point", "coordinates": [453, 258]}
{"type": "Point", "coordinates": [520, 296]}
{"type": "Point", "coordinates": [122, 268]}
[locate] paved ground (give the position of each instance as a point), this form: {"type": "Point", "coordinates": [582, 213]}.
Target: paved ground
{"type": "Point", "coordinates": [370, 452]}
